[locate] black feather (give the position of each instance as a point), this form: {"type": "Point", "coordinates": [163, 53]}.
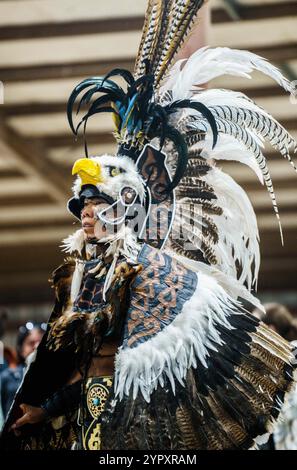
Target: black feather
{"type": "Point", "coordinates": [202, 109]}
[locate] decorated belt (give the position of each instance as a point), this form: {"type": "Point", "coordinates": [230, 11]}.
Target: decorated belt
{"type": "Point", "coordinates": [96, 392]}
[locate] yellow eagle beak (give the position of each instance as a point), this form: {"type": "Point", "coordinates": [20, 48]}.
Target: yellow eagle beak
{"type": "Point", "coordinates": [89, 171]}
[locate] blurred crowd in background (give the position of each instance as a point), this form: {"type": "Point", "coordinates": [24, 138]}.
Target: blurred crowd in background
{"type": "Point", "coordinates": [14, 360]}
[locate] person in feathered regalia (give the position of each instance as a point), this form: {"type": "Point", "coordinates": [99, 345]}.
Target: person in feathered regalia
{"type": "Point", "coordinates": [149, 345]}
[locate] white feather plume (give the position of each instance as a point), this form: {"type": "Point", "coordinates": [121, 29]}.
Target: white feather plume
{"type": "Point", "coordinates": [175, 349]}
{"type": "Point", "coordinates": [209, 63]}
{"type": "Point", "coordinates": [237, 227]}
{"type": "Point", "coordinates": [228, 148]}
{"type": "Point", "coordinates": [124, 243]}
{"type": "Point", "coordinates": [74, 242]}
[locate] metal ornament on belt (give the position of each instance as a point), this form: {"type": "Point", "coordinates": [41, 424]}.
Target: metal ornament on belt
{"type": "Point", "coordinates": [96, 399]}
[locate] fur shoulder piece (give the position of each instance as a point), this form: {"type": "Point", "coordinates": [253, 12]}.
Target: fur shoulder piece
{"type": "Point", "coordinates": [61, 280]}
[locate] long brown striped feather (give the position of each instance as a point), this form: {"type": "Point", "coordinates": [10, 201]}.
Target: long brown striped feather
{"type": "Point", "coordinates": [182, 15]}
{"type": "Point", "coordinates": [167, 23]}
{"type": "Point", "coordinates": [167, 7]}
{"type": "Point", "coordinates": [150, 33]}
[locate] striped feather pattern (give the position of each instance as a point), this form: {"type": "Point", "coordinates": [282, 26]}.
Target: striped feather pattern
{"type": "Point", "coordinates": [166, 25]}
{"type": "Point", "coordinates": [243, 127]}
{"type": "Point", "coordinates": [263, 124]}
{"type": "Point", "coordinates": [225, 405]}
{"type": "Point", "coordinates": [150, 31]}
{"type": "Point", "coordinates": [251, 142]}
{"type": "Point", "coordinates": [181, 16]}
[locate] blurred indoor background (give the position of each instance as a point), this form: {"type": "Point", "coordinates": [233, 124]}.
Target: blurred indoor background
{"type": "Point", "coordinates": [46, 48]}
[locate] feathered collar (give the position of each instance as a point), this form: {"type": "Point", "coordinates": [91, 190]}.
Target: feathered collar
{"type": "Point", "coordinates": [76, 245]}
{"type": "Point", "coordinates": [123, 243]}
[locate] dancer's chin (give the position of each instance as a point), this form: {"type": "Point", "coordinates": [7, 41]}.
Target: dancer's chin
{"type": "Point", "coordinates": [89, 232]}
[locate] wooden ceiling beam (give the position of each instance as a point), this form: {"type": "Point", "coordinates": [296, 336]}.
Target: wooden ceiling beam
{"type": "Point", "coordinates": [73, 28]}
{"type": "Point", "coordinates": [39, 72]}
{"type": "Point", "coordinates": [44, 213]}
{"type": "Point", "coordinates": [25, 109]}
{"type": "Point", "coordinates": [263, 91]}
{"type": "Point", "coordinates": [69, 139]}
{"type": "Point", "coordinates": [66, 224]}
{"type": "Point", "coordinates": [276, 53]}
{"type": "Point", "coordinates": [32, 154]}
{"type": "Point", "coordinates": [255, 187]}
{"type": "Point", "coordinates": [32, 237]}
{"type": "Point", "coordinates": [10, 173]}
{"type": "Point", "coordinates": [24, 200]}
{"type": "Point", "coordinates": [257, 11]}
{"type": "Point", "coordinates": [134, 23]}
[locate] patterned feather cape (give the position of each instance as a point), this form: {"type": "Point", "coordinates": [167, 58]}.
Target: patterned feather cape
{"type": "Point", "coordinates": [225, 406]}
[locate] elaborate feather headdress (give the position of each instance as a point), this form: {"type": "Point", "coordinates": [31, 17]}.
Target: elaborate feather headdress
{"type": "Point", "coordinates": [165, 114]}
